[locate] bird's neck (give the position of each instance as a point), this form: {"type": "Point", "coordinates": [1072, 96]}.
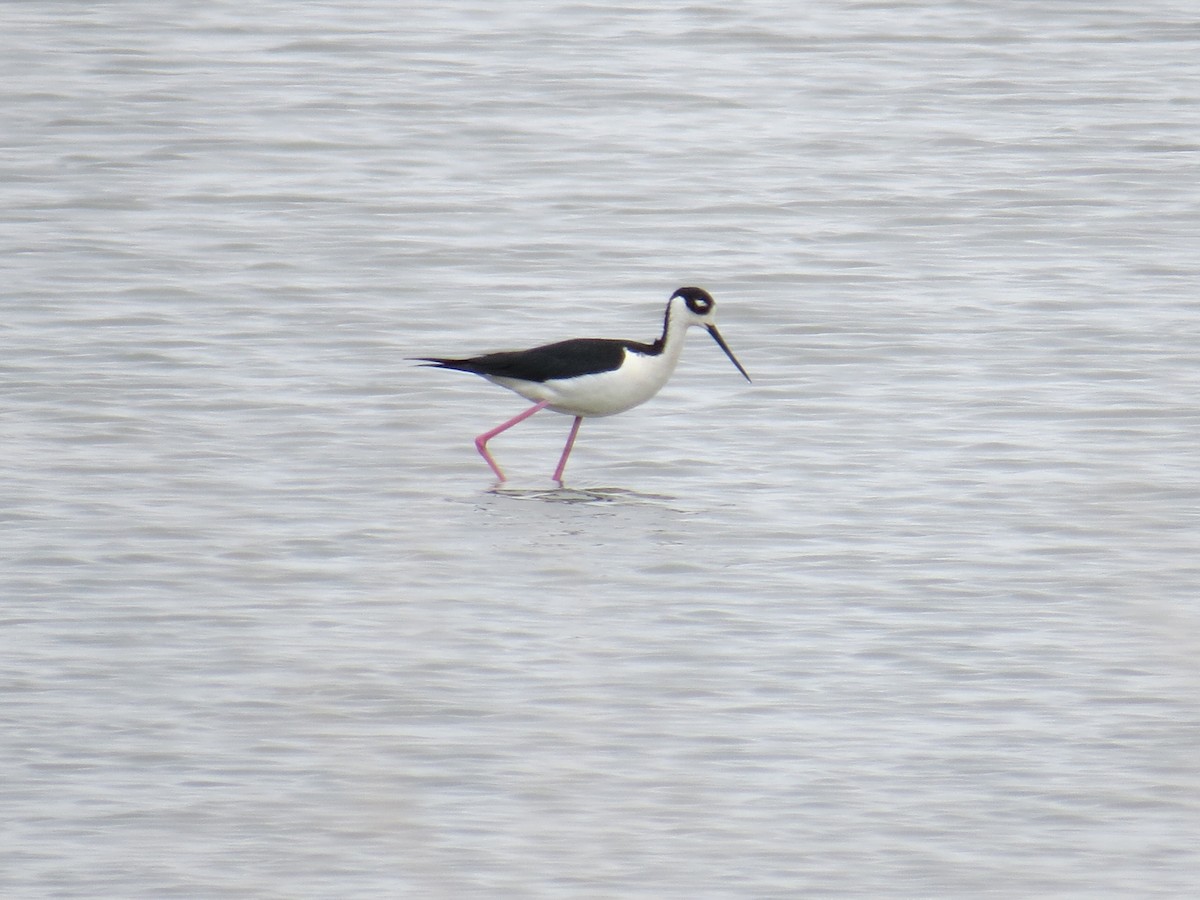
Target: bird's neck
{"type": "Point", "coordinates": [675, 327]}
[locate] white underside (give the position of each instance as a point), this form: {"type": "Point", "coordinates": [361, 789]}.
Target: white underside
{"type": "Point", "coordinates": [637, 380]}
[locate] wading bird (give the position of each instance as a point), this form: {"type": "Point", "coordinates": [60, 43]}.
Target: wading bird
{"type": "Point", "coordinates": [591, 377]}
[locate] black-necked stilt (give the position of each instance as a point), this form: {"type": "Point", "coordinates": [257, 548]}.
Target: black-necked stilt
{"type": "Point", "coordinates": [591, 377]}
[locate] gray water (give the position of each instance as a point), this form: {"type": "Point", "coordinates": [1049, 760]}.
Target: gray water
{"type": "Point", "coordinates": [912, 615]}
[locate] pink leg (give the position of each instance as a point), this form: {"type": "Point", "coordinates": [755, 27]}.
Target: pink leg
{"type": "Point", "coordinates": [481, 441]}
{"type": "Point", "coordinates": [562, 462]}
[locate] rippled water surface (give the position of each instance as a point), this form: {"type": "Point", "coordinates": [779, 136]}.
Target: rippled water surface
{"type": "Point", "coordinates": [912, 615]}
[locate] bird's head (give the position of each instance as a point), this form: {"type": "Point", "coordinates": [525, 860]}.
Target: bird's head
{"type": "Point", "coordinates": [695, 306]}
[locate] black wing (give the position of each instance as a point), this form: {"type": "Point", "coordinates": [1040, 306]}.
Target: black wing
{"type": "Point", "coordinates": [565, 359]}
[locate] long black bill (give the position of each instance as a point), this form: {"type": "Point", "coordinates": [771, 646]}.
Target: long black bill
{"type": "Point", "coordinates": [712, 329]}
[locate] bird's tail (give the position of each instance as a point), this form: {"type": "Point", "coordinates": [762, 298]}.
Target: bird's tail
{"type": "Point", "coordinates": [437, 362]}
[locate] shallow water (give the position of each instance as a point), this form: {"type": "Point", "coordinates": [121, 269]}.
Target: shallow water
{"type": "Point", "coordinates": [913, 614]}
